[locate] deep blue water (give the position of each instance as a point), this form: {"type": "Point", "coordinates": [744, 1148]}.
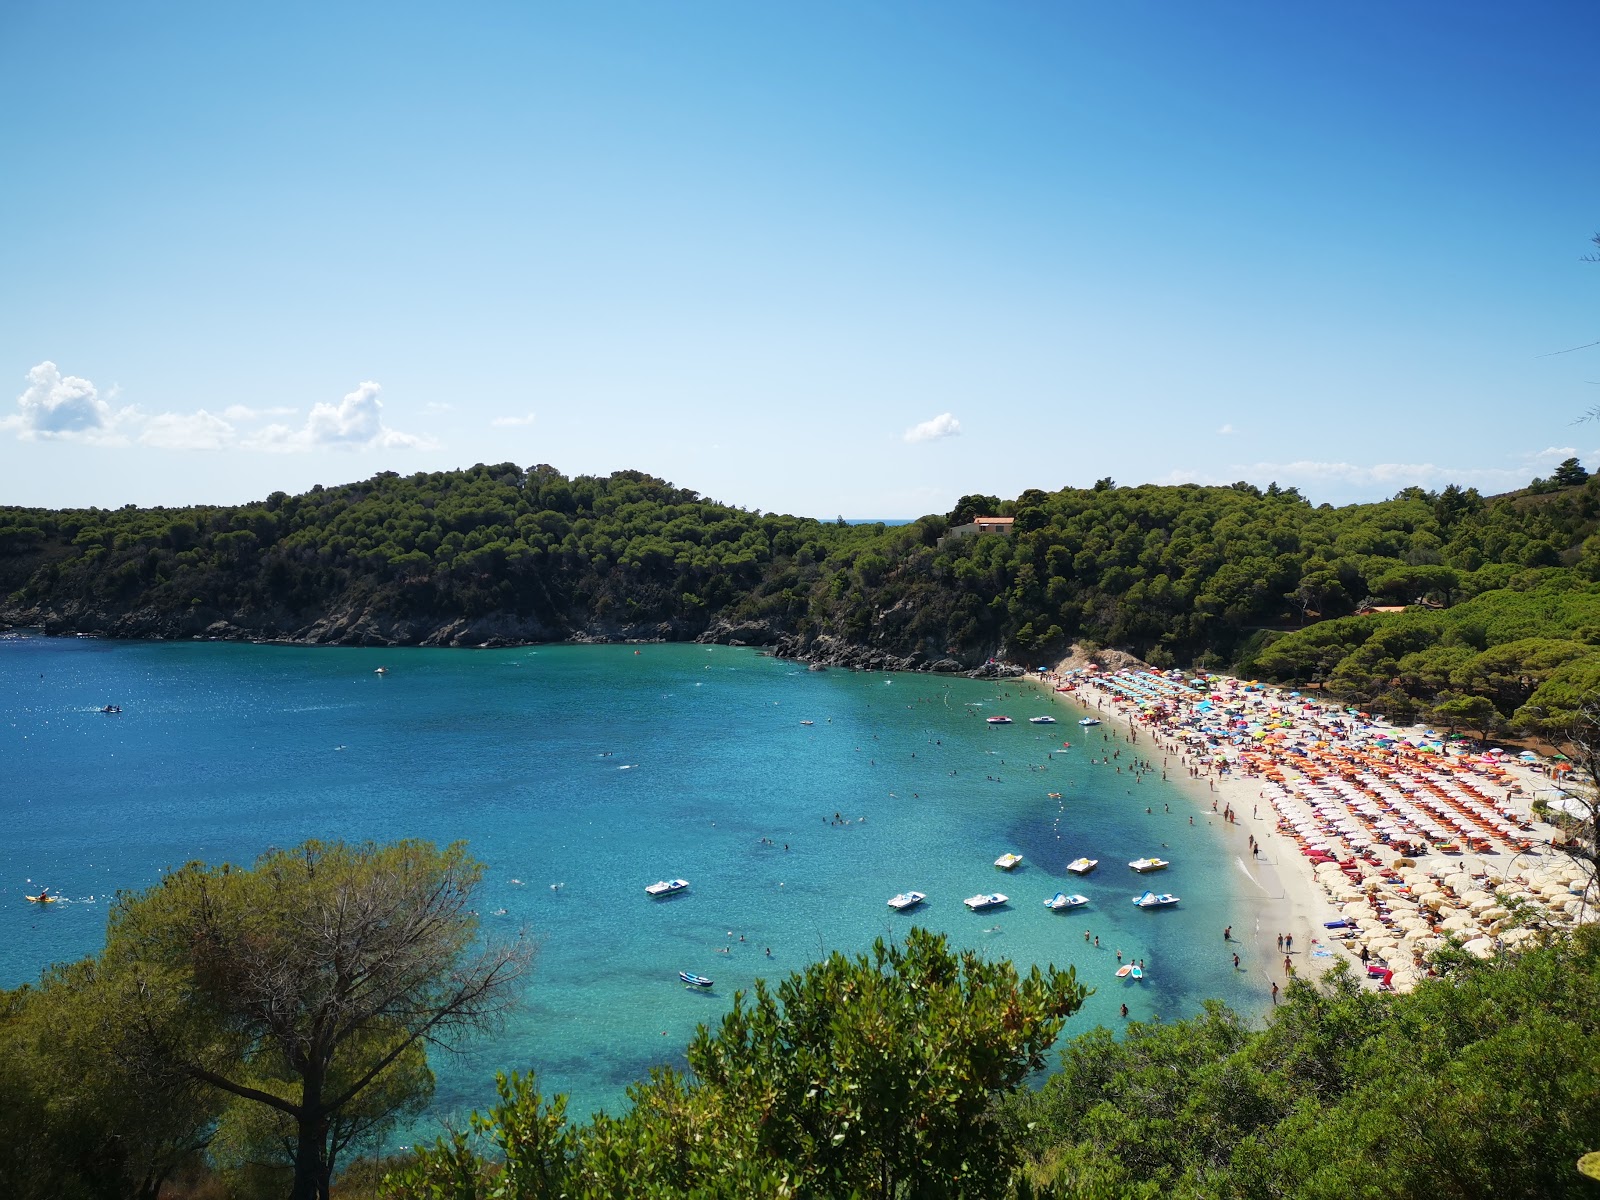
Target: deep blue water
{"type": "Point", "coordinates": [603, 769]}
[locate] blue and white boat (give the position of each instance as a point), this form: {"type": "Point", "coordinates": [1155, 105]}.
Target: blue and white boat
{"type": "Point", "coordinates": [1087, 721]}
{"type": "Point", "coordinates": [906, 900]}
{"type": "Point", "coordinates": [1041, 720]}
{"type": "Point", "coordinates": [690, 979]}
{"type": "Point", "coordinates": [1061, 902]}
{"type": "Point", "coordinates": [985, 900]}
{"type": "Point", "coordinates": [1156, 900]}
{"type": "Point", "coordinates": [666, 887]}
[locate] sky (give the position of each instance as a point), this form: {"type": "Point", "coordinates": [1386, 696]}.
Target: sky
{"type": "Point", "coordinates": [831, 259]}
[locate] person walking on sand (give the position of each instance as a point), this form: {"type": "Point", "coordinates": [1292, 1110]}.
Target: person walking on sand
{"type": "Point", "coordinates": [1274, 991]}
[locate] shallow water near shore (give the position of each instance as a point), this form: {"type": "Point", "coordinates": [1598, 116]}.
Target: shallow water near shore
{"type": "Point", "coordinates": [602, 769]}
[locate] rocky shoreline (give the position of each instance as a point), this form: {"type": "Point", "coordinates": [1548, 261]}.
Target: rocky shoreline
{"type": "Point", "coordinates": [357, 626]}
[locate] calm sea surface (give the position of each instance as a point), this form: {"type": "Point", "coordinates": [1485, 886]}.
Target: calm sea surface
{"type": "Point", "coordinates": [601, 769]}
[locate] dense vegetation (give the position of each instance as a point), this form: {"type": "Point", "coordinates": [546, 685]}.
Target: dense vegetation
{"type": "Point", "coordinates": [1503, 625]}
{"type": "Point", "coordinates": [1483, 1083]}
{"type": "Point", "coordinates": [260, 1023]}
{"type": "Point", "coordinates": [555, 556]}
{"type": "Point", "coordinates": [185, 1049]}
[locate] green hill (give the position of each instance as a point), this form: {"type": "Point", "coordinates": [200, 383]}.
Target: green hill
{"type": "Point", "coordinates": [1504, 588]}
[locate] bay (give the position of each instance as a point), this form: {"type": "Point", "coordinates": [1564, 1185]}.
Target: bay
{"type": "Point", "coordinates": [579, 774]}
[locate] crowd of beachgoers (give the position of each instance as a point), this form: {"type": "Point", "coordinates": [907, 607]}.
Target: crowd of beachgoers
{"type": "Point", "coordinates": [1409, 837]}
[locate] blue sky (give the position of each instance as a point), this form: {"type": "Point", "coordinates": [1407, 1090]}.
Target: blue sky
{"type": "Point", "coordinates": [822, 258]}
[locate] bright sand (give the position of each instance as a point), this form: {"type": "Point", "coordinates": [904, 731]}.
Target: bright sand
{"type": "Point", "coordinates": [1280, 894]}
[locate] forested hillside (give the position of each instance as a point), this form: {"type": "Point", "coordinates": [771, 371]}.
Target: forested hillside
{"type": "Point", "coordinates": [462, 557]}
{"type": "Point", "coordinates": [1504, 593]}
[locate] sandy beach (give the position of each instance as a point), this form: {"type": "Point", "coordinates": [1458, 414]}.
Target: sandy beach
{"type": "Point", "coordinates": [1277, 897]}
{"type": "Point", "coordinates": [1352, 826]}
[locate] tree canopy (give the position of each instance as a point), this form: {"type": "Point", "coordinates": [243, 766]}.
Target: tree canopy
{"type": "Point", "coordinates": [276, 1014]}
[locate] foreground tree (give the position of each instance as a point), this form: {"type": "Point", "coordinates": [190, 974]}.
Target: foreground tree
{"type": "Point", "coordinates": [878, 1072]}
{"type": "Point", "coordinates": [870, 1076]}
{"type": "Point", "coordinates": [73, 1122]}
{"type": "Point", "coordinates": [308, 984]}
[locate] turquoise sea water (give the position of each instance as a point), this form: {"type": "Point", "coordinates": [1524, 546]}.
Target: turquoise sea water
{"type": "Point", "coordinates": [603, 769]}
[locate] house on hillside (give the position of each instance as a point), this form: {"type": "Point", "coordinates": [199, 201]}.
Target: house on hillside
{"type": "Point", "coordinates": [982, 525]}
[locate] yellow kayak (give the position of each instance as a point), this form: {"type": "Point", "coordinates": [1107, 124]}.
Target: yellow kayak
{"type": "Point", "coordinates": [42, 899]}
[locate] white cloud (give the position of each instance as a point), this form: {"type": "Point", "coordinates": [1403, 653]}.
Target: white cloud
{"type": "Point", "coordinates": [356, 422]}
{"type": "Point", "coordinates": [508, 422]}
{"type": "Point", "coordinates": [1226, 429]}
{"type": "Point", "coordinates": [439, 406]}
{"type": "Point", "coordinates": [1345, 481]}
{"type": "Point", "coordinates": [61, 406]}
{"type": "Point", "coordinates": [185, 431]}
{"type": "Point", "coordinates": [942, 426]}
{"type": "Point", "coordinates": [67, 408]}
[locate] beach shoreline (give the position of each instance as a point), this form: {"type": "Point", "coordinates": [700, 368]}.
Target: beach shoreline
{"type": "Point", "coordinates": [1356, 803]}
{"type": "Point", "coordinates": [1277, 896]}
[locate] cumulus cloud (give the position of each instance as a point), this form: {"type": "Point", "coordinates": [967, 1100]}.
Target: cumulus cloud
{"type": "Point", "coordinates": [356, 422]}
{"type": "Point", "coordinates": [508, 422]}
{"type": "Point", "coordinates": [67, 408]}
{"type": "Point", "coordinates": [1226, 429]}
{"type": "Point", "coordinates": [61, 406]}
{"type": "Point", "coordinates": [942, 426]}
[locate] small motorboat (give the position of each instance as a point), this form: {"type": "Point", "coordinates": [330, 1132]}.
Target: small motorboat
{"type": "Point", "coordinates": [1008, 862]}
{"type": "Point", "coordinates": [985, 900]}
{"type": "Point", "coordinates": [998, 720]}
{"type": "Point", "coordinates": [666, 887]}
{"type": "Point", "coordinates": [1082, 866]}
{"type": "Point", "coordinates": [690, 979]}
{"type": "Point", "coordinates": [381, 671]}
{"type": "Point", "coordinates": [808, 722]}
{"type": "Point", "coordinates": [906, 900]}
{"type": "Point", "coordinates": [1144, 865]}
{"type": "Point", "coordinates": [112, 708]}
{"type": "Point", "coordinates": [1041, 720]}
{"type": "Point", "coordinates": [1156, 900]}
{"type": "Point", "coordinates": [1088, 721]}
{"type": "Point", "coordinates": [1061, 902]}
{"type": "Point", "coordinates": [1124, 970]}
